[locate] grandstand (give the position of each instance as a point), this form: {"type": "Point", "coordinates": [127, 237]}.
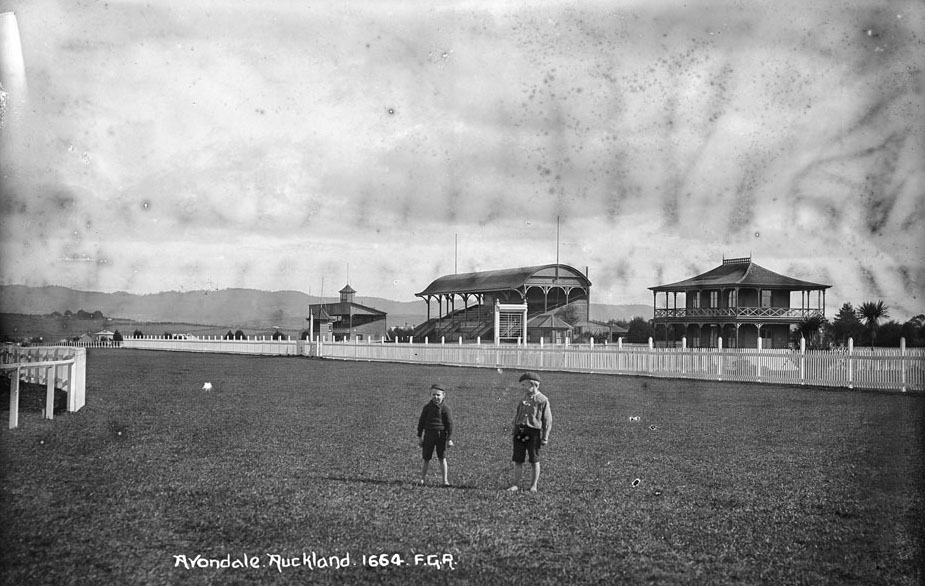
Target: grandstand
{"type": "Point", "coordinates": [499, 304]}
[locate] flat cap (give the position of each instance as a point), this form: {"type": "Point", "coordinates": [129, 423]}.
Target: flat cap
{"type": "Point", "coordinates": [529, 376]}
{"type": "Point", "coordinates": [437, 387]}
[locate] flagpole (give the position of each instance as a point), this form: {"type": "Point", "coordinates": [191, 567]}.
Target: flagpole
{"type": "Point", "coordinates": [557, 248]}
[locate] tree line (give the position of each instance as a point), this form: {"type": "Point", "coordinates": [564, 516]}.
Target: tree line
{"type": "Point", "coordinates": [865, 324]}
{"type": "Point", "coordinates": [79, 314]}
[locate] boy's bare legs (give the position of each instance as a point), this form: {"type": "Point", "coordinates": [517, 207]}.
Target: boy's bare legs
{"type": "Point", "coordinates": [536, 476]}
{"type": "Point", "coordinates": [518, 472]}
{"type": "Point", "coordinates": [444, 468]}
{"type": "Point", "coordinates": [424, 471]}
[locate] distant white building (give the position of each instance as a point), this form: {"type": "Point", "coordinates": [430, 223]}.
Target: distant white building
{"type": "Point", "coordinates": [103, 336]}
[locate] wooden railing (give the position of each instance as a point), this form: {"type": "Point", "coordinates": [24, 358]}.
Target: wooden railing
{"type": "Point", "coordinates": [263, 345]}
{"type": "Point", "coordinates": [54, 366]}
{"type": "Point", "coordinates": [737, 313]}
{"type": "Point", "coordinates": [856, 368]}
{"type": "Point", "coordinates": [879, 368]}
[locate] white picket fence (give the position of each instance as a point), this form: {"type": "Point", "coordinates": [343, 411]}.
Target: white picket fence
{"type": "Point", "coordinates": [261, 346]}
{"type": "Point", "coordinates": [54, 366]}
{"type": "Point", "coordinates": [861, 368]}
{"type": "Point", "coordinates": [879, 368]}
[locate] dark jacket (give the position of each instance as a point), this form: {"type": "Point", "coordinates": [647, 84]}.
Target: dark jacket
{"type": "Point", "coordinates": [436, 417]}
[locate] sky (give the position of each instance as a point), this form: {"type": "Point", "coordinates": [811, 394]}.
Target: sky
{"type": "Point", "coordinates": [166, 145]}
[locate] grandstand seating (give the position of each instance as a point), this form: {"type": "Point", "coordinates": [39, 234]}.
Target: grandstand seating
{"type": "Point", "coordinates": [472, 323]}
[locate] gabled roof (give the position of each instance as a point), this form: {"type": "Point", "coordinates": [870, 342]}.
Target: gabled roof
{"type": "Point", "coordinates": [741, 272]}
{"type": "Point", "coordinates": [505, 280]}
{"type": "Point", "coordinates": [547, 322]}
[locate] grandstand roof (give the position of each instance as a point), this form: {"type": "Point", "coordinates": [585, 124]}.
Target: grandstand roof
{"type": "Point", "coordinates": [740, 272]}
{"type": "Point", "coordinates": [507, 280]}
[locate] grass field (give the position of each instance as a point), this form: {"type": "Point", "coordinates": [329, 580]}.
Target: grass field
{"type": "Point", "coordinates": [290, 457]}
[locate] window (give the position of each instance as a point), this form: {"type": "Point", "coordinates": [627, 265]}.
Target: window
{"type": "Point", "coordinates": [732, 301]}
{"type": "Point", "coordinates": [714, 298]}
{"type": "Point", "coordinates": [695, 300]}
{"type": "Point", "coordinates": [765, 298]}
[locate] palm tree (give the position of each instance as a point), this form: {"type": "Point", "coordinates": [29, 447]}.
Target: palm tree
{"type": "Point", "coordinates": [871, 313]}
{"type": "Point", "coordinates": [810, 327]}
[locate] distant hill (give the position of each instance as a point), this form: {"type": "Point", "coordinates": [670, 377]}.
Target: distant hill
{"type": "Point", "coordinates": [229, 308]}
{"type": "Point", "coordinates": [245, 308]}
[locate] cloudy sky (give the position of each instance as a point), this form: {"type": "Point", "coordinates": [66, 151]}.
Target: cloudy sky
{"type": "Point", "coordinates": [174, 145]}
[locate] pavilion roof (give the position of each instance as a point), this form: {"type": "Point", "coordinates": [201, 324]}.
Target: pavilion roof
{"type": "Point", "coordinates": [741, 272]}
{"type": "Point", "coordinates": [504, 280]}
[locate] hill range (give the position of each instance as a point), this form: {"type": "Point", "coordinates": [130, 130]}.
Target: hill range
{"type": "Point", "coordinates": [232, 308]}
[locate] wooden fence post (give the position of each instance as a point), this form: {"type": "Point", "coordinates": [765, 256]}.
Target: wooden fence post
{"type": "Point", "coordinates": [50, 392]}
{"type": "Point", "coordinates": [719, 364]}
{"type": "Point", "coordinates": [802, 360]}
{"type": "Point", "coordinates": [902, 362]}
{"type": "Point", "coordinates": [758, 361]}
{"type": "Point", "coordinates": [850, 371]}
{"type": "Point", "coordinates": [14, 399]}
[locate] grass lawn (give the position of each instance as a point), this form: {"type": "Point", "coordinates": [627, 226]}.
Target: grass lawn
{"type": "Point", "coordinates": [290, 457]}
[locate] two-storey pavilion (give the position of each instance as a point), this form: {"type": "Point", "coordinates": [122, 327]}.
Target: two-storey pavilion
{"type": "Point", "coordinates": [738, 301]}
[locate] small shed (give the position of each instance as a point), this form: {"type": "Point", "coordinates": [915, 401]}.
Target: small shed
{"type": "Point", "coordinates": [548, 327]}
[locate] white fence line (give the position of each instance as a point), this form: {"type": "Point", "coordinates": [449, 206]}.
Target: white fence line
{"type": "Point", "coordinates": [267, 347]}
{"type": "Point", "coordinates": [892, 369]}
{"type": "Point", "coordinates": [53, 366]}
{"type": "Point", "coordinates": [863, 368]}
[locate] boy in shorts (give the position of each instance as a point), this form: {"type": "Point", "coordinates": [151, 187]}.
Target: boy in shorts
{"type": "Point", "coordinates": [531, 426]}
{"type": "Point", "coordinates": [435, 427]}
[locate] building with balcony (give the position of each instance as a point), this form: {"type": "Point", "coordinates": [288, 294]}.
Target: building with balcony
{"type": "Point", "coordinates": [739, 302]}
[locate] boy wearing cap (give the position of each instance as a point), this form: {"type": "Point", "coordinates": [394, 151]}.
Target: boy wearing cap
{"type": "Point", "coordinates": [532, 424]}
{"type": "Point", "coordinates": [435, 426]}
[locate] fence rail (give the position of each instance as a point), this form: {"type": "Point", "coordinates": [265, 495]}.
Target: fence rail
{"type": "Point", "coordinates": [902, 369]}
{"type": "Point", "coordinates": [250, 346]}
{"type": "Point", "coordinates": [862, 368]}
{"type": "Point", "coordinates": [54, 366]}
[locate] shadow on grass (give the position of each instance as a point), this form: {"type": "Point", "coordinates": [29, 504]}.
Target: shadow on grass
{"type": "Point", "coordinates": [397, 482]}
